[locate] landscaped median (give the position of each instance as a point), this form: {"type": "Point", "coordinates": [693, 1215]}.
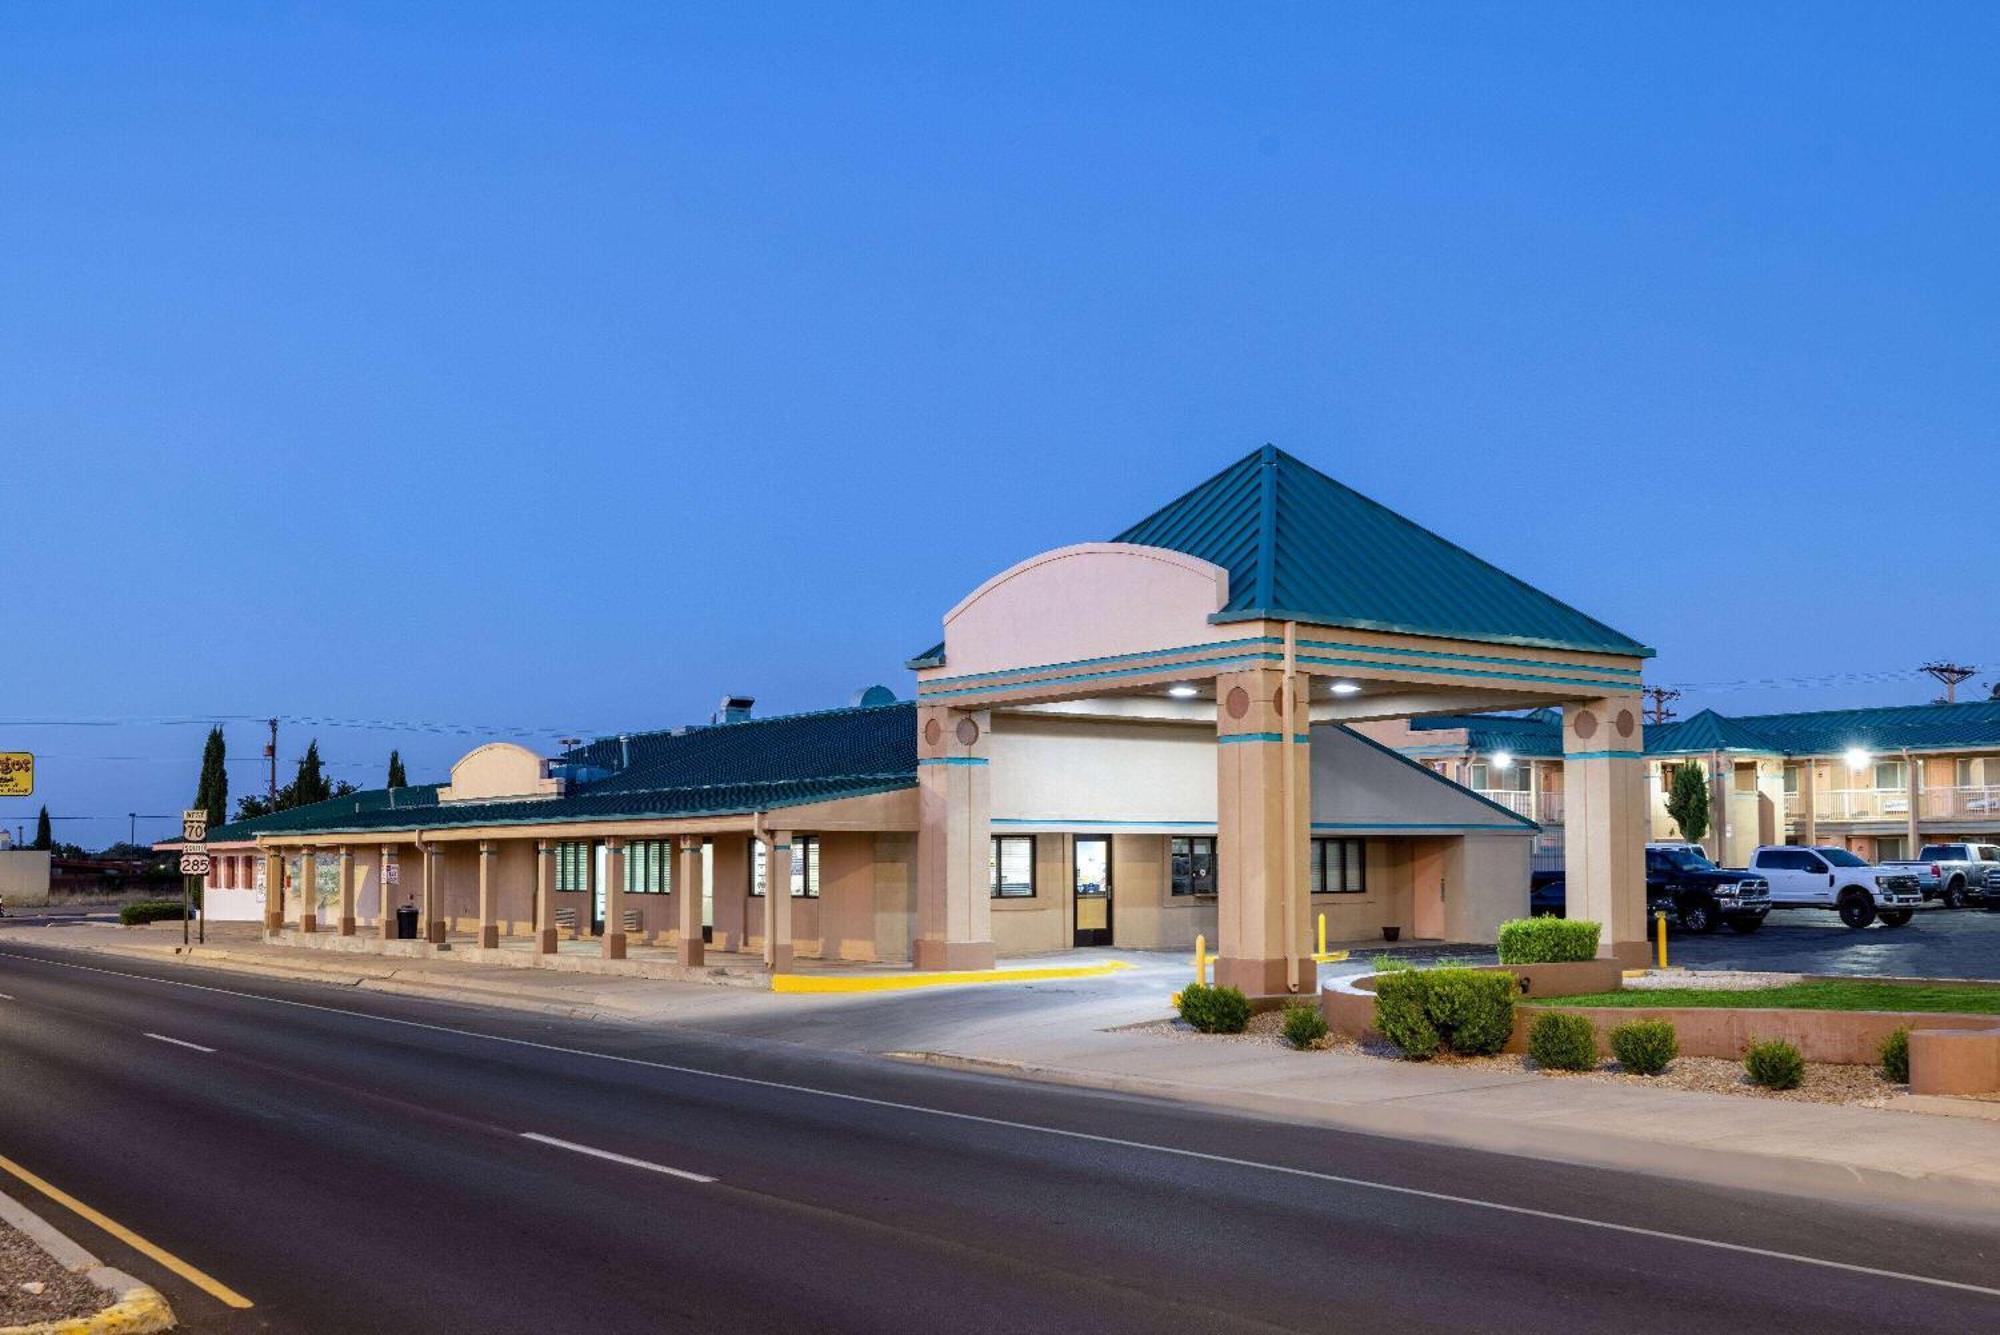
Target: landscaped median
{"type": "Point", "coordinates": [51, 1286]}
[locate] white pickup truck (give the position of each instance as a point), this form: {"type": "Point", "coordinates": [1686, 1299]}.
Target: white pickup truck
{"type": "Point", "coordinates": [1833, 878]}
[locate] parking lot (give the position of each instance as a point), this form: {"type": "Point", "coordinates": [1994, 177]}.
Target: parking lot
{"type": "Point", "coordinates": [1937, 943]}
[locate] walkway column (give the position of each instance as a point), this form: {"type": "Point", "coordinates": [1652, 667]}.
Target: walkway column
{"type": "Point", "coordinates": [346, 927]}
{"type": "Point", "coordinates": [614, 899]}
{"type": "Point", "coordinates": [385, 867]}
{"type": "Point", "coordinates": [274, 890]}
{"type": "Point", "coordinates": [778, 902]}
{"type": "Point", "coordinates": [545, 898]}
{"type": "Point", "coordinates": [687, 889]}
{"type": "Point", "coordinates": [489, 927]}
{"type": "Point", "coordinates": [1605, 822]}
{"type": "Point", "coordinates": [1263, 843]}
{"type": "Point", "coordinates": [1809, 800]}
{"type": "Point", "coordinates": [1719, 784]}
{"type": "Point", "coordinates": [308, 889]}
{"type": "Point", "coordinates": [954, 841]}
{"type": "Point", "coordinates": [1913, 776]}
{"type": "Point", "coordinates": [434, 928]}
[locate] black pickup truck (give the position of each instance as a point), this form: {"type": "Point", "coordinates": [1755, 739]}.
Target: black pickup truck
{"type": "Point", "coordinates": [1694, 893]}
{"type": "Point", "coordinates": [1701, 896]}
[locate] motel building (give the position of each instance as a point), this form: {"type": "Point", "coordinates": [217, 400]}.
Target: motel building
{"type": "Point", "coordinates": [1123, 743]}
{"type": "Point", "coordinates": [1881, 782]}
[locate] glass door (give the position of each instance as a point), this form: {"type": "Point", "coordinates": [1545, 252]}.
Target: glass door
{"type": "Point", "coordinates": [1093, 890]}
{"type": "Point", "coordinates": [599, 869]}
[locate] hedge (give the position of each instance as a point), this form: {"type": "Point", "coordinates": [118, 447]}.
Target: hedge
{"type": "Point", "coordinates": [1304, 1025]}
{"type": "Point", "coordinates": [1774, 1064]}
{"type": "Point", "coordinates": [1215, 1010]}
{"type": "Point", "coordinates": [1644, 1047]}
{"type": "Point", "coordinates": [151, 910]}
{"type": "Point", "coordinates": [1548, 940]}
{"type": "Point", "coordinates": [1895, 1054]}
{"type": "Point", "coordinates": [1563, 1041]}
{"type": "Point", "coordinates": [1427, 1011]}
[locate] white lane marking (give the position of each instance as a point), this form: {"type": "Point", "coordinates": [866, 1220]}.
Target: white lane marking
{"type": "Point", "coordinates": [1390, 1188]}
{"type": "Point", "coordinates": [625, 1159]}
{"type": "Point", "coordinates": [6, 996]}
{"type": "Point", "coordinates": [179, 1042]}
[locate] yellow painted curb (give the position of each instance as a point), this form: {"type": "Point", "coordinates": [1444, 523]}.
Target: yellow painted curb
{"type": "Point", "coordinates": [897, 982]}
{"type": "Point", "coordinates": [1330, 957]}
{"type": "Point", "coordinates": [139, 1312]}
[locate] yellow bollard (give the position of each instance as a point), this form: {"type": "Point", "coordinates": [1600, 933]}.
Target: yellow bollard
{"type": "Point", "coordinates": [1201, 960]}
{"type": "Point", "coordinates": [1322, 934]}
{"type": "Point", "coordinates": [1660, 921]}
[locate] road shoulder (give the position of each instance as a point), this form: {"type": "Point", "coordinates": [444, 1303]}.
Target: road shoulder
{"type": "Point", "coordinates": [126, 1307]}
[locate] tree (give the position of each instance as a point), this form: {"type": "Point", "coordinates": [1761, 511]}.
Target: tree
{"type": "Point", "coordinates": [44, 838]}
{"type": "Point", "coordinates": [1687, 801]}
{"type": "Point", "coordinates": [397, 779]}
{"type": "Point", "coordinates": [211, 794]}
{"type": "Point", "coordinates": [309, 785]}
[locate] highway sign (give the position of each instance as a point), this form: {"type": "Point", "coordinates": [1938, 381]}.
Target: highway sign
{"type": "Point", "coordinates": [194, 864]}
{"type": "Point", "coordinates": [194, 826]}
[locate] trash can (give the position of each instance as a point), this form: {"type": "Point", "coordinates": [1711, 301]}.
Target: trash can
{"type": "Point", "coordinates": [406, 923]}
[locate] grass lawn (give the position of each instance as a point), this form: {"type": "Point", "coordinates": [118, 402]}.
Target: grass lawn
{"type": "Point", "coordinates": [1819, 995]}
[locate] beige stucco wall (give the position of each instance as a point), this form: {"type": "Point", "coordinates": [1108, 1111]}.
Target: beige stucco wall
{"type": "Point", "coordinates": [1486, 883]}
{"type": "Point", "coordinates": [24, 876]}
{"type": "Point", "coordinates": [1063, 770]}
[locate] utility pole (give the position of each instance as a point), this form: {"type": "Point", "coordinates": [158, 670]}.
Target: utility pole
{"type": "Point", "coordinates": [1658, 698]}
{"type": "Point", "coordinates": [1951, 674]}
{"type": "Point", "coordinates": [271, 754]}
{"type": "Point", "coordinates": [132, 837]}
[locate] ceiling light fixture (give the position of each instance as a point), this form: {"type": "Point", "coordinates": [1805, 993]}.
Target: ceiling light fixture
{"type": "Point", "coordinates": [1346, 688]}
{"type": "Point", "coordinates": [1183, 691]}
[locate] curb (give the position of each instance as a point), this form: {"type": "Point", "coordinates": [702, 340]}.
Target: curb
{"type": "Point", "coordinates": [1711, 1165]}
{"type": "Point", "coordinates": [133, 1309]}
{"type": "Point", "coordinates": [899, 982]}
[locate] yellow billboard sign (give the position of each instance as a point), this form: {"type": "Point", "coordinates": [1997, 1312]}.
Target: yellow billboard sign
{"type": "Point", "coordinates": [17, 774]}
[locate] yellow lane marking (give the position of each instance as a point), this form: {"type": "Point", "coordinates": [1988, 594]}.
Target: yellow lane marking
{"type": "Point", "coordinates": [895, 982]}
{"type": "Point", "coordinates": [207, 1283]}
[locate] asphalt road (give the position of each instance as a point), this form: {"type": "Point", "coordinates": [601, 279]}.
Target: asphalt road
{"type": "Point", "coordinates": [362, 1162]}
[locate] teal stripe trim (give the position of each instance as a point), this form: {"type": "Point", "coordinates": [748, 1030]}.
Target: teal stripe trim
{"type": "Point", "coordinates": [1227, 738]}
{"type": "Point", "coordinates": [1241, 642]}
{"type": "Point", "coordinates": [1416, 825]}
{"type": "Point", "coordinates": [1611, 673]}
{"type": "Point", "coordinates": [1241, 660]}
{"type": "Point", "coordinates": [1604, 755]}
{"type": "Point", "coordinates": [953, 760]}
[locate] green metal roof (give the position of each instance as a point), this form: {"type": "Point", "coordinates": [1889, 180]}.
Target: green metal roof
{"type": "Point", "coordinates": [1300, 546]}
{"type": "Point", "coordinates": [724, 769]}
{"type": "Point", "coordinates": [1974, 725]}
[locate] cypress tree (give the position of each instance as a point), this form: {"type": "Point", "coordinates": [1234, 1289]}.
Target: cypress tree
{"type": "Point", "coordinates": [397, 779]}
{"type": "Point", "coordinates": [310, 786]}
{"type": "Point", "coordinates": [212, 793]}
{"type": "Point", "coordinates": [1687, 801]}
{"type": "Point", "coordinates": [43, 837]}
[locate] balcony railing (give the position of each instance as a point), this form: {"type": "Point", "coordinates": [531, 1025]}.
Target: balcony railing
{"type": "Point", "coordinates": [1546, 808]}
{"type": "Point", "coordinates": [1860, 804]}
{"type": "Point", "coordinates": [1963, 803]}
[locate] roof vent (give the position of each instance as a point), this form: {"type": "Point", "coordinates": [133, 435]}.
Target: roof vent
{"type": "Point", "coordinates": [624, 750]}
{"type": "Point", "coordinates": [733, 709]}
{"type": "Point", "coordinates": [870, 697]}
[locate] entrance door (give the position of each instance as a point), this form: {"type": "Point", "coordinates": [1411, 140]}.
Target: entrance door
{"type": "Point", "coordinates": [1093, 890]}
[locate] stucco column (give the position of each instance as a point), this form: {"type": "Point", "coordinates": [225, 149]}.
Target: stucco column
{"type": "Point", "coordinates": [687, 893]}
{"type": "Point", "coordinates": [954, 841]}
{"type": "Point", "coordinates": [1719, 783]}
{"type": "Point", "coordinates": [1913, 777]}
{"type": "Point", "coordinates": [778, 902]}
{"type": "Point", "coordinates": [346, 927]}
{"type": "Point", "coordinates": [1604, 823]}
{"type": "Point", "coordinates": [1809, 799]}
{"type": "Point", "coordinates": [545, 898]}
{"type": "Point", "coordinates": [434, 927]}
{"type": "Point", "coordinates": [1262, 851]}
{"type": "Point", "coordinates": [385, 905]}
{"type": "Point", "coordinates": [274, 891]}
{"type": "Point", "coordinates": [308, 889]}
{"type": "Point", "coordinates": [489, 927]}
{"type": "Point", "coordinates": [614, 899]}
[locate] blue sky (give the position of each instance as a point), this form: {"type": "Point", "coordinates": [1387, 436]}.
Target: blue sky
{"type": "Point", "coordinates": [563, 367]}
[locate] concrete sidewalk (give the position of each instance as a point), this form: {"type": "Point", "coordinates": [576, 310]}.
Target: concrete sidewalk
{"type": "Point", "coordinates": [1905, 1155]}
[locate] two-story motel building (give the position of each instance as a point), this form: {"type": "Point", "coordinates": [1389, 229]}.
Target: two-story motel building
{"type": "Point", "coordinates": [1122, 743]}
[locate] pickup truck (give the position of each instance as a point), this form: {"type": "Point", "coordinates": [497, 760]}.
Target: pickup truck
{"type": "Point", "coordinates": [1833, 878]}
{"type": "Point", "coordinates": [1956, 873]}
{"type": "Point", "coordinates": [1701, 896]}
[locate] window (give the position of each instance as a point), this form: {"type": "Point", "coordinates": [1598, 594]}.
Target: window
{"type": "Point", "coordinates": [1340, 866]}
{"type": "Point", "coordinates": [1888, 774]}
{"type": "Point", "coordinates": [1488, 778]}
{"type": "Point", "coordinates": [649, 867]}
{"type": "Point", "coordinates": [1791, 780]}
{"type": "Point", "coordinates": [1746, 778]}
{"type": "Point", "coordinates": [576, 864]}
{"type": "Point", "coordinates": [1193, 864]}
{"type": "Point", "coordinates": [805, 866]}
{"type": "Point", "coordinates": [1012, 865]}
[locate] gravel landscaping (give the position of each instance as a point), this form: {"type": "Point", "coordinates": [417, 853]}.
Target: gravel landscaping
{"type": "Point", "coordinates": [34, 1288]}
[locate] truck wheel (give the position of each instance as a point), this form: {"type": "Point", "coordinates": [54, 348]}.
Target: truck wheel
{"type": "Point", "coordinates": [1954, 894]}
{"type": "Point", "coordinates": [1896, 917]}
{"type": "Point", "coordinates": [1857, 910]}
{"type": "Point", "coordinates": [1698, 915]}
{"type": "Point", "coordinates": [1745, 925]}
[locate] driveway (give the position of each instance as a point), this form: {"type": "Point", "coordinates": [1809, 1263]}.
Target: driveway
{"type": "Point", "coordinates": [1937, 943]}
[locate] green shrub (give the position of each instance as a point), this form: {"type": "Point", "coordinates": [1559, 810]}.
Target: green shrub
{"type": "Point", "coordinates": [1425, 1011]}
{"type": "Point", "coordinates": [1774, 1064]}
{"type": "Point", "coordinates": [1390, 963]}
{"type": "Point", "coordinates": [1215, 1010]}
{"type": "Point", "coordinates": [1304, 1025]}
{"type": "Point", "coordinates": [1896, 1057]}
{"type": "Point", "coordinates": [1563, 1041]}
{"type": "Point", "coordinates": [151, 910]}
{"type": "Point", "coordinates": [1644, 1047]}
{"type": "Point", "coordinates": [1548, 940]}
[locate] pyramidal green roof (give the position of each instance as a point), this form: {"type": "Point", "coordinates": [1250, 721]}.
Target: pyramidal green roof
{"type": "Point", "coordinates": [1707, 731]}
{"type": "Point", "coordinates": [1300, 546]}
